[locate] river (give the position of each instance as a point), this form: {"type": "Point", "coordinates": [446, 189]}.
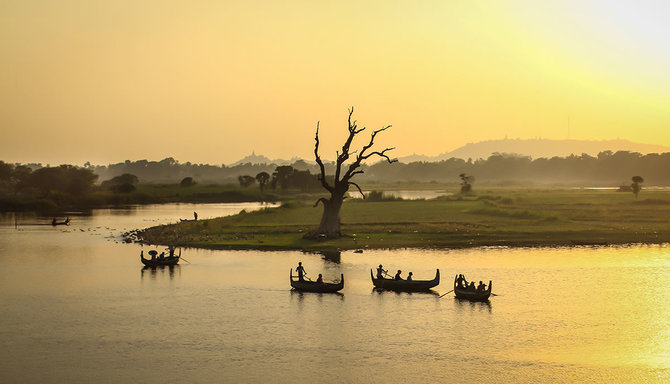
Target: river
{"type": "Point", "coordinates": [77, 307]}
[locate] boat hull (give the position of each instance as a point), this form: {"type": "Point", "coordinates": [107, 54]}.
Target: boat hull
{"type": "Point", "coordinates": [313, 286]}
{"type": "Point", "coordinates": [405, 285]}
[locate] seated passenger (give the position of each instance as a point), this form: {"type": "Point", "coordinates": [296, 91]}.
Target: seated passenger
{"type": "Point", "coordinates": [397, 275]}
{"type": "Point", "coordinates": [471, 287]}
{"type": "Point", "coordinates": [481, 287]}
{"type": "Point", "coordinates": [319, 279]}
{"type": "Point", "coordinates": [409, 276]}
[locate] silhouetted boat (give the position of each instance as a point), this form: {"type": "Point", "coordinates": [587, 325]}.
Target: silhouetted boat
{"type": "Point", "coordinates": [313, 286]}
{"type": "Point", "coordinates": [159, 261]}
{"type": "Point", "coordinates": [464, 293]}
{"type": "Point", "coordinates": [405, 285]}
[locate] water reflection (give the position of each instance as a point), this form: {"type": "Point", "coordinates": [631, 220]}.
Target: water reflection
{"type": "Point", "coordinates": [380, 291]}
{"type": "Point", "coordinates": [153, 272]}
{"type": "Point", "coordinates": [332, 256]}
{"type": "Point", "coordinates": [464, 305]}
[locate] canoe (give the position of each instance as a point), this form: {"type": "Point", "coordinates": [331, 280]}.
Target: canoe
{"type": "Point", "coordinates": [470, 295]}
{"type": "Point", "coordinates": [313, 286]}
{"type": "Point", "coordinates": [157, 262]}
{"type": "Point", "coordinates": [405, 285]}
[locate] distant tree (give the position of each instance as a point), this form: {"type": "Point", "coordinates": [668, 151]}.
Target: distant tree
{"type": "Point", "coordinates": [262, 178]}
{"type": "Point", "coordinates": [466, 182]}
{"type": "Point", "coordinates": [246, 180]}
{"type": "Point", "coordinates": [126, 178]}
{"type": "Point", "coordinates": [187, 182]}
{"type": "Point", "coordinates": [124, 188]}
{"type": "Point", "coordinates": [636, 187]}
{"type": "Point", "coordinates": [282, 176]}
{"type": "Point", "coordinates": [65, 178]}
{"type": "Point", "coordinates": [304, 180]}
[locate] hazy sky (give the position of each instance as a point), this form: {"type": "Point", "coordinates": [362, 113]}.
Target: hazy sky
{"type": "Point", "coordinates": [210, 81]}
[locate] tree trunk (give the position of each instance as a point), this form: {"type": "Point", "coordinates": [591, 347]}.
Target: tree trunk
{"type": "Point", "coordinates": [330, 220]}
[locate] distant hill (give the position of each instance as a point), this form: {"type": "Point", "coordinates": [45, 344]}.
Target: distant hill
{"type": "Point", "coordinates": [260, 159]}
{"type": "Point", "coordinates": [537, 148]}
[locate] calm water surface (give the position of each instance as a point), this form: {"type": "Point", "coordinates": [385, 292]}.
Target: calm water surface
{"type": "Point", "coordinates": [78, 307]}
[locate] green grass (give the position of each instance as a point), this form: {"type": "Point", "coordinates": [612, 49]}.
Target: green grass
{"type": "Point", "coordinates": [492, 218]}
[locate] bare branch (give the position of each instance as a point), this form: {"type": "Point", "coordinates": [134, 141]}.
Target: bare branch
{"type": "Point", "coordinates": [363, 156]}
{"type": "Point", "coordinates": [324, 183]}
{"type": "Point", "coordinates": [359, 188]}
{"type": "Point", "coordinates": [321, 200]}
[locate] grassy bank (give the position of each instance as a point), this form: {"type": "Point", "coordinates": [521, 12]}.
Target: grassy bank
{"type": "Point", "coordinates": [497, 218]}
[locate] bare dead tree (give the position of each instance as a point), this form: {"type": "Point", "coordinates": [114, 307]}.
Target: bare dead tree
{"type": "Point", "coordinates": [330, 220]}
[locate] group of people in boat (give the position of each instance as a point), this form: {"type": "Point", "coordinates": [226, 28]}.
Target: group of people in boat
{"type": "Point", "coordinates": [156, 256]}
{"type": "Point", "coordinates": [302, 274]}
{"type": "Point", "coordinates": [381, 272]}
{"type": "Point", "coordinates": [462, 283]}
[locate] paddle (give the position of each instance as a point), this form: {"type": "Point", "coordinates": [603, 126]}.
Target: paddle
{"type": "Point", "coordinates": [445, 294]}
{"type": "Point", "coordinates": [181, 258]}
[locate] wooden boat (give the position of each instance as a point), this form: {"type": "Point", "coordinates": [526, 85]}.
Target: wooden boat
{"type": "Point", "coordinates": [159, 261]}
{"type": "Point", "coordinates": [405, 285]}
{"type": "Point", "coordinates": [467, 294]}
{"type": "Point", "coordinates": [313, 286]}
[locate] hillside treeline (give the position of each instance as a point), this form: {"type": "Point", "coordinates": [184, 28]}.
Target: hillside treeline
{"type": "Point", "coordinates": [606, 169]}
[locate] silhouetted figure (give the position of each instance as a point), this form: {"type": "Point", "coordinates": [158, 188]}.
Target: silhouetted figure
{"type": "Point", "coordinates": [301, 271]}
{"type": "Point", "coordinates": [409, 276]}
{"type": "Point", "coordinates": [461, 282]}
{"type": "Point", "coordinates": [54, 222]}
{"type": "Point", "coordinates": [319, 279]}
{"type": "Point", "coordinates": [195, 215]}
{"type": "Point", "coordinates": [481, 287]}
{"type": "Point", "coordinates": [471, 287]}
{"type": "Point", "coordinates": [397, 275]}
{"type": "Point", "coordinates": [67, 221]}
{"type": "Point", "coordinates": [161, 256]}
{"type": "Point", "coordinates": [380, 272]}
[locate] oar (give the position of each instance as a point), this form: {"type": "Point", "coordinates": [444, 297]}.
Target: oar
{"type": "Point", "coordinates": [493, 294]}
{"type": "Point", "coordinates": [181, 258]}
{"type": "Point", "coordinates": [445, 294]}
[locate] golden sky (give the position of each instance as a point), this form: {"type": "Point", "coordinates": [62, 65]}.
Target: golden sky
{"type": "Point", "coordinates": [211, 81]}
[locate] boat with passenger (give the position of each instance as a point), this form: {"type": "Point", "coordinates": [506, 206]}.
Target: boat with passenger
{"type": "Point", "coordinates": [468, 291]}
{"type": "Point", "coordinates": [157, 260]}
{"type": "Point", "coordinates": [315, 286]}
{"type": "Point", "coordinates": [381, 282]}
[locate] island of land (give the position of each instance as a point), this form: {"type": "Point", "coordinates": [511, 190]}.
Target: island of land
{"type": "Point", "coordinates": [517, 218]}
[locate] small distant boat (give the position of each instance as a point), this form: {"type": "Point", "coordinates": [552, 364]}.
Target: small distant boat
{"type": "Point", "coordinates": [463, 293]}
{"type": "Point", "coordinates": [405, 285]}
{"type": "Point", "coordinates": [55, 223]}
{"type": "Point", "coordinates": [157, 261]}
{"type": "Point", "coordinates": [313, 286]}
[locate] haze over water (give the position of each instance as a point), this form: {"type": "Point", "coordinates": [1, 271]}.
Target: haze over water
{"type": "Point", "coordinates": [78, 307]}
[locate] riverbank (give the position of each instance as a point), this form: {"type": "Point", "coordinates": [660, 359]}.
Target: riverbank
{"type": "Point", "coordinates": [503, 218]}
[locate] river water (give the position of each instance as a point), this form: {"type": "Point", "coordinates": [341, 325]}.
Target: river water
{"type": "Point", "coordinates": [77, 307]}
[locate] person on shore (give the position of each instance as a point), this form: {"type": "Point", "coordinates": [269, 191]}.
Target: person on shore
{"type": "Point", "coordinates": [301, 271]}
{"type": "Point", "coordinates": [380, 272]}
{"type": "Point", "coordinates": [319, 279]}
{"type": "Point", "coordinates": [397, 275]}
{"type": "Point", "coordinates": [409, 276]}
{"type": "Point", "coordinates": [195, 215]}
